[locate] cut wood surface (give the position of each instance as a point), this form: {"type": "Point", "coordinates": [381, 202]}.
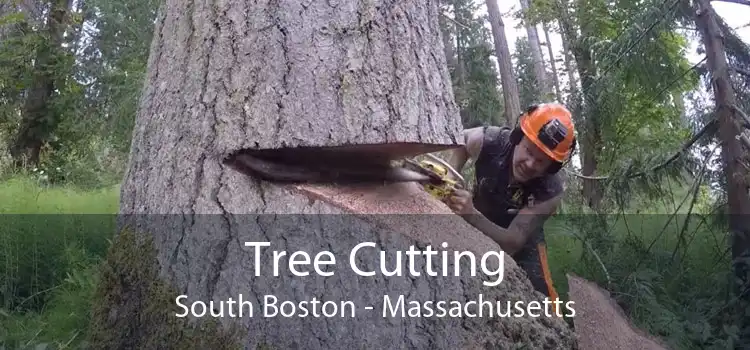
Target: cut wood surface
{"type": "Point", "coordinates": [601, 324]}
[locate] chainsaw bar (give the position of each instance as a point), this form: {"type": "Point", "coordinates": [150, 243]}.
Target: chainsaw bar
{"type": "Point", "coordinates": [323, 171]}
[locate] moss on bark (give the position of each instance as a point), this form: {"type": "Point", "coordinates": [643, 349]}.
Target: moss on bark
{"type": "Point", "coordinates": [134, 307]}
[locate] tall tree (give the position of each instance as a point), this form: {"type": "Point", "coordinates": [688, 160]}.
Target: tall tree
{"type": "Point", "coordinates": [39, 118]}
{"type": "Point", "coordinates": [529, 90]}
{"type": "Point", "coordinates": [552, 62]}
{"type": "Point", "coordinates": [476, 86]}
{"type": "Point", "coordinates": [230, 77]}
{"type": "Point", "coordinates": [570, 70]}
{"type": "Point", "coordinates": [536, 52]}
{"type": "Point", "coordinates": [502, 52]}
{"type": "Point", "coordinates": [734, 156]}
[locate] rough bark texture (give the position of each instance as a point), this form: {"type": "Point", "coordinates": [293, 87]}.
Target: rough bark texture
{"type": "Point", "coordinates": [511, 98]}
{"type": "Point", "coordinates": [601, 324]}
{"type": "Point", "coordinates": [228, 76]}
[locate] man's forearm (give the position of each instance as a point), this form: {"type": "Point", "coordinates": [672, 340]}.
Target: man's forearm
{"type": "Point", "coordinates": [458, 158]}
{"type": "Point", "coordinates": [509, 241]}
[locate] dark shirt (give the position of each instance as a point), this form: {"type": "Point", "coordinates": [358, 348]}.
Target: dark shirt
{"type": "Point", "coordinates": [494, 195]}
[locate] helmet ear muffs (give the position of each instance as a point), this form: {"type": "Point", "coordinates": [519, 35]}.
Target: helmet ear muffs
{"type": "Point", "coordinates": [516, 135]}
{"type": "Point", "coordinates": [556, 166]}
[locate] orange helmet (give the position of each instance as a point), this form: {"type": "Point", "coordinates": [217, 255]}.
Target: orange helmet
{"type": "Point", "coordinates": [550, 127]}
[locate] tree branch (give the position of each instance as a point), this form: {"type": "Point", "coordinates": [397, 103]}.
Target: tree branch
{"type": "Point", "coordinates": [454, 21]}
{"type": "Point", "coordinates": [741, 71]}
{"type": "Point", "coordinates": [743, 116]}
{"type": "Point", "coordinates": [741, 2]}
{"type": "Point", "coordinates": [671, 159]}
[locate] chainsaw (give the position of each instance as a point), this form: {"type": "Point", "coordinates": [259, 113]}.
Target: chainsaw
{"type": "Point", "coordinates": [440, 185]}
{"type": "Point", "coordinates": [337, 166]}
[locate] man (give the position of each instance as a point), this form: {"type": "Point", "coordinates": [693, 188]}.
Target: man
{"type": "Point", "coordinates": [518, 187]}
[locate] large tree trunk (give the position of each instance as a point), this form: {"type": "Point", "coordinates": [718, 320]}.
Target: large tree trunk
{"type": "Point", "coordinates": [540, 71]}
{"type": "Point", "coordinates": [733, 155]}
{"type": "Point", "coordinates": [508, 80]}
{"type": "Point", "coordinates": [229, 76]}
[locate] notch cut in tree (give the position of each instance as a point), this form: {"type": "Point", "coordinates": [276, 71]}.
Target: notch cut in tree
{"type": "Point", "coordinates": [364, 77]}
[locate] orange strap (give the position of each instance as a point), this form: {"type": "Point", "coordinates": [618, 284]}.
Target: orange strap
{"type": "Point", "coordinates": [542, 248]}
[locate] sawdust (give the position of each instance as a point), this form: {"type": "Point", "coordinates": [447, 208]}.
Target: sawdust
{"type": "Point", "coordinates": [391, 204]}
{"type": "Point", "coordinates": [601, 324]}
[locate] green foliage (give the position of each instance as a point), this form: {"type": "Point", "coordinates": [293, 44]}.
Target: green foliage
{"type": "Point", "coordinates": [668, 273]}
{"type": "Point", "coordinates": [529, 89]}
{"type": "Point", "coordinates": [480, 99]}
{"type": "Point", "coordinates": [48, 259]}
{"type": "Point", "coordinates": [55, 275]}
{"type": "Point", "coordinates": [32, 237]}
{"type": "Point", "coordinates": [117, 64]}
{"type": "Point", "coordinates": [476, 89]}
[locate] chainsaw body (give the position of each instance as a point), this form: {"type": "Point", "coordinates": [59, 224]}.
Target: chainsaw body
{"type": "Point", "coordinates": [440, 185]}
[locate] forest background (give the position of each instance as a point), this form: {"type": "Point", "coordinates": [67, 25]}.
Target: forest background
{"type": "Point", "coordinates": [634, 72]}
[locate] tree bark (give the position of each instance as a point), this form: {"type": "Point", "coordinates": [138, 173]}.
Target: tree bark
{"type": "Point", "coordinates": [733, 155]}
{"type": "Point", "coordinates": [232, 76]}
{"type": "Point", "coordinates": [508, 80]}
{"type": "Point", "coordinates": [536, 56]}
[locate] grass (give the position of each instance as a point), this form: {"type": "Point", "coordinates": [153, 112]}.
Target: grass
{"type": "Point", "coordinates": [47, 260]}
{"type": "Point", "coordinates": [47, 266]}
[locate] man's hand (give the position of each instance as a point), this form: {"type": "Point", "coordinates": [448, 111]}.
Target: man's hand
{"type": "Point", "coordinates": [460, 202]}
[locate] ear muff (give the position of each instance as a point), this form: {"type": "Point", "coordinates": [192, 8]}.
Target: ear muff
{"type": "Point", "coordinates": [516, 135]}
{"type": "Point", "coordinates": [556, 166]}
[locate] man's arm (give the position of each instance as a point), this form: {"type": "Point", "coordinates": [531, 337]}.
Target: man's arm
{"type": "Point", "coordinates": [472, 146]}
{"type": "Point", "coordinates": [528, 221]}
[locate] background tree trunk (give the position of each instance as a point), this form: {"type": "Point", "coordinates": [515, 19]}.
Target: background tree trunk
{"type": "Point", "coordinates": [553, 64]}
{"type": "Point", "coordinates": [733, 157]}
{"type": "Point", "coordinates": [536, 54]}
{"type": "Point", "coordinates": [233, 76]}
{"type": "Point", "coordinates": [569, 69]}
{"type": "Point", "coordinates": [510, 86]}
{"type": "Point", "coordinates": [38, 116]}
{"type": "Point", "coordinates": [448, 45]}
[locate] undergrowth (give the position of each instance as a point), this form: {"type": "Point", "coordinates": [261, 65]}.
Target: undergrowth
{"type": "Point", "coordinates": [672, 280]}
